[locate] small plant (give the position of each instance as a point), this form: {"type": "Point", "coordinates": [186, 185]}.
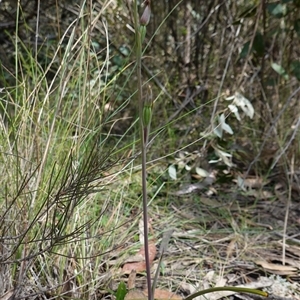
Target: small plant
{"type": "Point", "coordinates": [145, 115]}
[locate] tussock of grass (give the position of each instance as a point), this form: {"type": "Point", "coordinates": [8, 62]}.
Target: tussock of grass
{"type": "Point", "coordinates": [58, 215]}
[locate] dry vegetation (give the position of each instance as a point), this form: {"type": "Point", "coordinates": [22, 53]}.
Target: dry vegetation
{"type": "Point", "coordinates": [70, 199]}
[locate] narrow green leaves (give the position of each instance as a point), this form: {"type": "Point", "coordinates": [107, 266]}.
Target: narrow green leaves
{"type": "Point", "coordinates": [147, 115]}
{"type": "Point", "coordinates": [142, 33]}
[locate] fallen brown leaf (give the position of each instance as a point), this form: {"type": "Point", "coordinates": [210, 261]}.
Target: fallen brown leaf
{"type": "Point", "coordinates": [141, 265]}
{"type": "Point", "coordinates": [135, 266]}
{"type": "Point", "coordinates": [164, 295]}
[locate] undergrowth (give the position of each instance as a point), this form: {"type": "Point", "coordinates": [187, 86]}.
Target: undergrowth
{"type": "Point", "coordinates": [69, 135]}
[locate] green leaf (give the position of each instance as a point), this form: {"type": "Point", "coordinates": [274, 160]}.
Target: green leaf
{"type": "Point", "coordinates": [124, 50]}
{"type": "Point", "coordinates": [234, 110]}
{"type": "Point", "coordinates": [118, 60]}
{"type": "Point", "coordinates": [201, 172]}
{"type": "Point", "coordinates": [245, 50]}
{"type": "Point", "coordinates": [280, 70]}
{"type": "Point", "coordinates": [147, 115]}
{"type": "Point", "coordinates": [172, 172]}
{"type": "Point", "coordinates": [295, 69]}
{"type": "Point", "coordinates": [225, 157]}
{"type": "Point", "coordinates": [244, 104]}
{"type": "Point", "coordinates": [278, 10]}
{"type": "Point", "coordinates": [218, 131]}
{"type": "Point", "coordinates": [259, 44]}
{"type": "Point", "coordinates": [121, 291]}
{"type": "Point", "coordinates": [224, 125]}
{"type": "Point", "coordinates": [142, 32]}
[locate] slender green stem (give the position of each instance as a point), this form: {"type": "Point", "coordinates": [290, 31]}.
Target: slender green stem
{"type": "Point", "coordinates": [143, 134]}
{"type": "Point", "coordinates": [227, 288]}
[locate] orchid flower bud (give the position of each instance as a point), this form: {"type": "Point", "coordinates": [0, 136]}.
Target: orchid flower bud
{"type": "Point", "coordinates": [147, 109]}
{"type": "Point", "coordinates": [146, 15]}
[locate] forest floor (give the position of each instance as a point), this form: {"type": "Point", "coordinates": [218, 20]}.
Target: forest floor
{"type": "Point", "coordinates": [220, 237]}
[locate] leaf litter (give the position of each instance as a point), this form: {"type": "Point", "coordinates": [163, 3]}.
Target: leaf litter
{"type": "Point", "coordinates": [234, 235]}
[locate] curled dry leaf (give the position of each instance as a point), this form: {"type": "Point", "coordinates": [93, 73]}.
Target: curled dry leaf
{"type": "Point", "coordinates": [141, 265]}
{"type": "Point", "coordinates": [251, 182]}
{"type": "Point", "coordinates": [131, 280]}
{"type": "Point", "coordinates": [230, 248]}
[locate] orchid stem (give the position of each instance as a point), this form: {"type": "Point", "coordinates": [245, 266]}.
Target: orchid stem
{"type": "Point", "coordinates": [144, 137]}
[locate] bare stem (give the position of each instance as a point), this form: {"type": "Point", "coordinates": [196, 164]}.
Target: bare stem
{"type": "Point", "coordinates": [143, 134]}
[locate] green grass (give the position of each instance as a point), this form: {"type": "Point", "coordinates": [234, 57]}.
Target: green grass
{"type": "Point", "coordinates": [57, 207]}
